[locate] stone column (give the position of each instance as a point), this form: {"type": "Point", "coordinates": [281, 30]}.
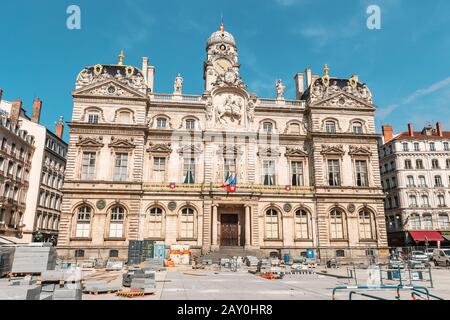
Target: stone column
{"type": "Point", "coordinates": [214, 224]}
{"type": "Point", "coordinates": [247, 226]}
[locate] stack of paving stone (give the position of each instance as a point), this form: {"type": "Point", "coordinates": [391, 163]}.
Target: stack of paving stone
{"type": "Point", "coordinates": [34, 259]}
{"type": "Point", "coordinates": [152, 264]}
{"type": "Point", "coordinates": [13, 290]}
{"type": "Point", "coordinates": [252, 261]}
{"type": "Point", "coordinates": [128, 277]}
{"type": "Point", "coordinates": [143, 284]}
{"type": "Point", "coordinates": [71, 291]}
{"type": "Point", "coordinates": [100, 287]}
{"type": "Point", "coordinates": [114, 265]}
{"type": "Point", "coordinates": [6, 259]}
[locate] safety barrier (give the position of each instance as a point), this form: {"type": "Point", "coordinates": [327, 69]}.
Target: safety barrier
{"type": "Point", "coordinates": [420, 292]}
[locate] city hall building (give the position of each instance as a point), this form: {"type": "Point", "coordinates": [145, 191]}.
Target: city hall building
{"type": "Point", "coordinates": [222, 169]}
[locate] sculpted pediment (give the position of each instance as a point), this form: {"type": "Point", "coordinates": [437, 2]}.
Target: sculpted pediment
{"type": "Point", "coordinates": [160, 148]}
{"type": "Point", "coordinates": [333, 150]}
{"type": "Point", "coordinates": [189, 150]}
{"type": "Point", "coordinates": [269, 152]}
{"type": "Point", "coordinates": [89, 143]}
{"type": "Point", "coordinates": [122, 143]}
{"type": "Point", "coordinates": [229, 150]}
{"type": "Point", "coordinates": [295, 152]}
{"type": "Point", "coordinates": [110, 88]}
{"type": "Point", "coordinates": [343, 100]}
{"type": "Point", "coordinates": [356, 151]}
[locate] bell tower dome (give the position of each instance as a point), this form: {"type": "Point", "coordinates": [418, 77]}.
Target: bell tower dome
{"type": "Point", "coordinates": [221, 56]}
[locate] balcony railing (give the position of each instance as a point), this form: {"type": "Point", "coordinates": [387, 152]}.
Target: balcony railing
{"type": "Point", "coordinates": [175, 97]}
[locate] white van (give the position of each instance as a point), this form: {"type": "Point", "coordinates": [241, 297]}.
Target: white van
{"type": "Point", "coordinates": [441, 257]}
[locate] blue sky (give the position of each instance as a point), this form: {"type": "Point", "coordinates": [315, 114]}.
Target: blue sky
{"type": "Point", "coordinates": [406, 63]}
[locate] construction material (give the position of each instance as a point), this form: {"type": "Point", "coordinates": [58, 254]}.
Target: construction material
{"type": "Point", "coordinates": [251, 261]}
{"type": "Point", "coordinates": [100, 287]}
{"type": "Point", "coordinates": [133, 294]}
{"type": "Point", "coordinates": [34, 259]}
{"type": "Point", "coordinates": [46, 296]}
{"type": "Point", "coordinates": [114, 265]}
{"type": "Point", "coordinates": [128, 277]}
{"type": "Point", "coordinates": [68, 292]}
{"type": "Point", "coordinates": [6, 260]}
{"type": "Point", "coordinates": [20, 292]}
{"type": "Point", "coordinates": [143, 284]}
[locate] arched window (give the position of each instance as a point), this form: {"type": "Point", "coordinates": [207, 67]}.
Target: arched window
{"type": "Point", "coordinates": [414, 220]}
{"type": "Point", "coordinates": [427, 221]}
{"type": "Point", "coordinates": [116, 223]}
{"type": "Point", "coordinates": [366, 225]}
{"type": "Point", "coordinates": [272, 228]}
{"type": "Point", "coordinates": [435, 164]}
{"type": "Point", "coordinates": [190, 124]}
{"type": "Point", "coordinates": [410, 181]}
{"type": "Point", "coordinates": [425, 202]}
{"type": "Point", "coordinates": [438, 181]}
{"type": "Point", "coordinates": [294, 128]}
{"type": "Point", "coordinates": [412, 201]}
{"type": "Point", "coordinates": [161, 123]}
{"type": "Point", "coordinates": [83, 226]}
{"type": "Point", "coordinates": [422, 181]}
{"type": "Point", "coordinates": [441, 200]}
{"type": "Point", "coordinates": [302, 226]}
{"type": "Point", "coordinates": [93, 116]}
{"type": "Point", "coordinates": [330, 126]}
{"type": "Point", "coordinates": [124, 117]}
{"type": "Point", "coordinates": [337, 224]}
{"type": "Point", "coordinates": [187, 223]}
{"type": "Point", "coordinates": [6, 190]}
{"type": "Point", "coordinates": [268, 127]}
{"type": "Point", "coordinates": [357, 127]}
{"type": "Point", "coordinates": [444, 222]}
{"type": "Point", "coordinates": [155, 223]}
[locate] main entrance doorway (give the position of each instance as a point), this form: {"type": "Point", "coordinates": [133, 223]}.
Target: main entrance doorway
{"type": "Point", "coordinates": [229, 230]}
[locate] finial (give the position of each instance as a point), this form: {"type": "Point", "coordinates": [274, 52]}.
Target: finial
{"type": "Point", "coordinates": [61, 119]}
{"type": "Point", "coordinates": [121, 57]}
{"type": "Point", "coordinates": [326, 70]}
{"type": "Point", "coordinates": [222, 26]}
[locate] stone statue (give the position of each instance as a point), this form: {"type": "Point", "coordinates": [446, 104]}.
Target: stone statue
{"type": "Point", "coordinates": [251, 111]}
{"type": "Point", "coordinates": [178, 85]}
{"type": "Point", "coordinates": [85, 78]}
{"type": "Point", "coordinates": [230, 109]}
{"type": "Point", "coordinates": [280, 87]}
{"type": "Point", "coordinates": [209, 110]}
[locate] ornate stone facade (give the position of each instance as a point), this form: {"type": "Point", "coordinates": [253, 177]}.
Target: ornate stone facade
{"type": "Point", "coordinates": [306, 170]}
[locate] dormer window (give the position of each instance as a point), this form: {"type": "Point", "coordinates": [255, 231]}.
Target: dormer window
{"type": "Point", "coordinates": [161, 123]}
{"type": "Point", "coordinates": [330, 127]}
{"type": "Point", "coordinates": [267, 127]}
{"type": "Point", "coordinates": [190, 124]}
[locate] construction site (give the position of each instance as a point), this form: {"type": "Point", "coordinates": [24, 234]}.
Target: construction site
{"type": "Point", "coordinates": [157, 272]}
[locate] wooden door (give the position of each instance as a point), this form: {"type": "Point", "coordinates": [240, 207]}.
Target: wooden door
{"type": "Point", "coordinates": [229, 235]}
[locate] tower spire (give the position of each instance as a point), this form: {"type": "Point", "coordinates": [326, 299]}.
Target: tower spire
{"type": "Point", "coordinates": [222, 26]}
{"type": "Point", "coordinates": [121, 57]}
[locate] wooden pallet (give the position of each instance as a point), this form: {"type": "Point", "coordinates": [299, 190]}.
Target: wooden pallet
{"type": "Point", "coordinates": [23, 274]}
{"type": "Point", "coordinates": [133, 294]}
{"type": "Point", "coordinates": [96, 293]}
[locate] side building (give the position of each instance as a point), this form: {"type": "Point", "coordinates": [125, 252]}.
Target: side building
{"type": "Point", "coordinates": [44, 196]}
{"type": "Point", "coordinates": [415, 172]}
{"type": "Point", "coordinates": [16, 154]}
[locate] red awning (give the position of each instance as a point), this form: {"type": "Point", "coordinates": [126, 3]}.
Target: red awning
{"type": "Point", "coordinates": [422, 236]}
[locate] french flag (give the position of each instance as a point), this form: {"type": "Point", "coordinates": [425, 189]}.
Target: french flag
{"type": "Point", "coordinates": [230, 183]}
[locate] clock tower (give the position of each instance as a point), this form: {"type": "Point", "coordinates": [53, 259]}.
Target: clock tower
{"type": "Point", "coordinates": [222, 58]}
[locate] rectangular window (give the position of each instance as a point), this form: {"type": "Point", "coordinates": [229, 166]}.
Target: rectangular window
{"type": "Point", "coordinates": [408, 164]}
{"type": "Point", "coordinates": [93, 118]}
{"type": "Point", "coordinates": [159, 169]}
{"type": "Point", "coordinates": [405, 147]}
{"type": "Point", "coordinates": [121, 167]}
{"type": "Point", "coordinates": [334, 175]}
{"type": "Point", "coordinates": [361, 173]}
{"type": "Point", "coordinates": [229, 168]}
{"type": "Point", "coordinates": [297, 173]}
{"type": "Point", "coordinates": [83, 230]}
{"type": "Point", "coordinates": [416, 146]}
{"type": "Point", "coordinates": [189, 171]}
{"type": "Point", "coordinates": [116, 230]}
{"type": "Point", "coordinates": [446, 146]}
{"type": "Point", "coordinates": [269, 172]}
{"type": "Point", "coordinates": [88, 166]}
{"type": "Point", "coordinates": [432, 146]}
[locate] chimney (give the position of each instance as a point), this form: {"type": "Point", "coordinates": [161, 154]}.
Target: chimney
{"type": "Point", "coordinates": [36, 112]}
{"type": "Point", "coordinates": [410, 130]}
{"type": "Point", "coordinates": [299, 85]}
{"type": "Point", "coordinates": [308, 78]}
{"type": "Point", "coordinates": [145, 67]}
{"type": "Point", "coordinates": [59, 128]}
{"type": "Point", "coordinates": [1, 94]}
{"type": "Point", "coordinates": [16, 107]}
{"type": "Point", "coordinates": [151, 78]}
{"type": "Point", "coordinates": [439, 129]}
{"type": "Point", "coordinates": [388, 133]}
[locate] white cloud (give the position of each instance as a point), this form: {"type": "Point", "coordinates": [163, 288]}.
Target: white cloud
{"type": "Point", "coordinates": [384, 112]}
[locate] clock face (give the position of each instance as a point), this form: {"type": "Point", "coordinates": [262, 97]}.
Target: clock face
{"type": "Point", "coordinates": [230, 77]}
{"type": "Point", "coordinates": [222, 65]}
